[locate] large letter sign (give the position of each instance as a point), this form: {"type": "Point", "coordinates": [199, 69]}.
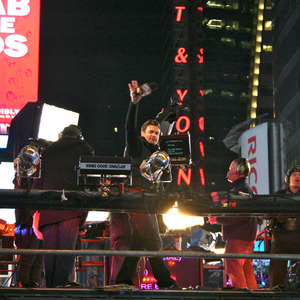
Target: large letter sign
{"type": "Point", "coordinates": [254, 146]}
{"type": "Point", "coordinates": [19, 55]}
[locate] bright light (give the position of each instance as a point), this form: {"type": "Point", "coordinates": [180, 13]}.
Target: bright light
{"type": "Point", "coordinates": [54, 120]}
{"type": "Point", "coordinates": [97, 216]}
{"type": "Point", "coordinates": [3, 141]}
{"type": "Point", "coordinates": [219, 250]}
{"type": "Point", "coordinates": [7, 174]}
{"type": "Point", "coordinates": [176, 220]}
{"type": "Point", "coordinates": [214, 24]}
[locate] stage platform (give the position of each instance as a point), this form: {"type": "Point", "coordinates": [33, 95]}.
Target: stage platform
{"type": "Point", "coordinates": [102, 293]}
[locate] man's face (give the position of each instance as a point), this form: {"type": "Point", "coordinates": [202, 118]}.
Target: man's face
{"type": "Point", "coordinates": [295, 180]}
{"type": "Point", "coordinates": [151, 134]}
{"type": "Point", "coordinates": [232, 174]}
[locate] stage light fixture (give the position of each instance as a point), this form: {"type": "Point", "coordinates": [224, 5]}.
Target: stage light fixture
{"type": "Point", "coordinates": [28, 162]}
{"type": "Point", "coordinates": [96, 217]}
{"type": "Point", "coordinates": [153, 167]}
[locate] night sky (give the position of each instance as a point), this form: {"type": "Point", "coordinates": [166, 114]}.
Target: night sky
{"type": "Point", "coordinates": [89, 51]}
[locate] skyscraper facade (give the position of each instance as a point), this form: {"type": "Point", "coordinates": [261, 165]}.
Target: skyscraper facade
{"type": "Point", "coordinates": [287, 80]}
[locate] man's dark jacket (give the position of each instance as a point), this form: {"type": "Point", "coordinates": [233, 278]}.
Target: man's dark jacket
{"type": "Point", "coordinates": [137, 148]}
{"type": "Point", "coordinates": [59, 163]}
{"type": "Point", "coordinates": [240, 228]}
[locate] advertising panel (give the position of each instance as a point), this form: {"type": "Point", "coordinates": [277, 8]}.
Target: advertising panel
{"type": "Point", "coordinates": [19, 56]}
{"type": "Point", "coordinates": [254, 147]}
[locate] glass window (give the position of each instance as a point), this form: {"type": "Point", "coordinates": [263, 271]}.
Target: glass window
{"type": "Point", "coordinates": [243, 96]}
{"type": "Point", "coordinates": [268, 25]}
{"type": "Point", "coordinates": [269, 4]}
{"type": "Point", "coordinates": [214, 24]}
{"type": "Point", "coordinates": [232, 25]}
{"type": "Point", "coordinates": [246, 44]}
{"type": "Point", "coordinates": [207, 91]}
{"type": "Point", "coordinates": [228, 40]}
{"type": "Point", "coordinates": [232, 4]}
{"type": "Point", "coordinates": [215, 3]}
{"type": "Point", "coordinates": [267, 48]}
{"type": "Point", "coordinates": [227, 94]}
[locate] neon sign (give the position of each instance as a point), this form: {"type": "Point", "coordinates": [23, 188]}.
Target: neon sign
{"type": "Point", "coordinates": [183, 122]}
{"type": "Point", "coordinates": [181, 94]}
{"type": "Point", "coordinates": [179, 12]}
{"type": "Point", "coordinates": [186, 126]}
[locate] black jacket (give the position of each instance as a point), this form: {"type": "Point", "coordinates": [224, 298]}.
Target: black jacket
{"type": "Point", "coordinates": [137, 148]}
{"type": "Point", "coordinates": [58, 165]}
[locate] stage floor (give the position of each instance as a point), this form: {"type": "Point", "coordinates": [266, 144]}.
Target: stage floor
{"type": "Point", "coordinates": [102, 293]}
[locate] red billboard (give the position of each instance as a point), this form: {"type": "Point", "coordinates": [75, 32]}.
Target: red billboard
{"type": "Point", "coordinates": [19, 56]}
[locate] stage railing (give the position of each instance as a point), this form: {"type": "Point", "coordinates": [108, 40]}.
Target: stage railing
{"type": "Point", "coordinates": [164, 253]}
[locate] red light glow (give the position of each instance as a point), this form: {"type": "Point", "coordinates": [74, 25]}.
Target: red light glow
{"type": "Point", "coordinates": [186, 177]}
{"type": "Point", "coordinates": [200, 56]}
{"type": "Point", "coordinates": [187, 124]}
{"type": "Point", "coordinates": [179, 12]}
{"type": "Point", "coordinates": [181, 57]}
{"type": "Point", "coordinates": [201, 93]}
{"type": "Point", "coordinates": [201, 123]}
{"type": "Point", "coordinates": [201, 147]}
{"type": "Point", "coordinates": [202, 178]}
{"type": "Point", "coordinates": [171, 263]}
{"type": "Point", "coordinates": [181, 94]}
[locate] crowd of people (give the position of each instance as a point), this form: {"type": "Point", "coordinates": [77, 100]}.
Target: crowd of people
{"type": "Point", "coordinates": [135, 231]}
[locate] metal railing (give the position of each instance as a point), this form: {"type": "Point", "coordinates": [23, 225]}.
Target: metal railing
{"type": "Point", "coordinates": [164, 253]}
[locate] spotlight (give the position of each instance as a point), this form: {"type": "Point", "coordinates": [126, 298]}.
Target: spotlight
{"type": "Point", "coordinates": [28, 161]}
{"type": "Point", "coordinates": [153, 167]}
{"type": "Point", "coordinates": [176, 220]}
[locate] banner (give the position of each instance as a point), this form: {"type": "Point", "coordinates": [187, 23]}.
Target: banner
{"type": "Point", "coordinates": [254, 147]}
{"type": "Point", "coordinates": [19, 56]}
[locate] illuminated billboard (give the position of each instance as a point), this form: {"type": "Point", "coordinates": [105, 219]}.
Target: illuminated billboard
{"type": "Point", "coordinates": [19, 56]}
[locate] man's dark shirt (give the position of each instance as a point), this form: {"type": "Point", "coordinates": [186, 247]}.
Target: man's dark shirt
{"type": "Point", "coordinates": [58, 164]}
{"type": "Point", "coordinates": [137, 147]}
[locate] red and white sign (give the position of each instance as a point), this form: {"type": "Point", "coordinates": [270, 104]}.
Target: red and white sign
{"type": "Point", "coordinates": [254, 147]}
{"type": "Point", "coordinates": [19, 55]}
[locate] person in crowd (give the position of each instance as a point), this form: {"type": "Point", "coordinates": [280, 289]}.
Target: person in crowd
{"type": "Point", "coordinates": [60, 228]}
{"type": "Point", "coordinates": [120, 234]}
{"type": "Point", "coordinates": [285, 232]}
{"type": "Point", "coordinates": [239, 233]}
{"type": "Point", "coordinates": [144, 227]}
{"type": "Point", "coordinates": [29, 272]}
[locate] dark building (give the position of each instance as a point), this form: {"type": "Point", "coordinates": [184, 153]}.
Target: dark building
{"type": "Point", "coordinates": [287, 80]}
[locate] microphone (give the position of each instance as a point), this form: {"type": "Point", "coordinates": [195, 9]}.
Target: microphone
{"type": "Point", "coordinates": [146, 89]}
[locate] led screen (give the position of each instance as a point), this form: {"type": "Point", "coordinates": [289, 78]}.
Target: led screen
{"type": "Point", "coordinates": [19, 55]}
